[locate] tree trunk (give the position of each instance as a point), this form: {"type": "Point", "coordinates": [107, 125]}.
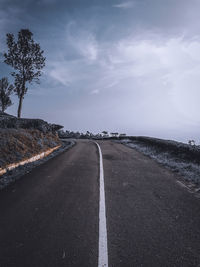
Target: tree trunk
{"type": "Point", "coordinates": [3, 108]}
{"type": "Point", "coordinates": [20, 106]}
{"type": "Point", "coordinates": [21, 97]}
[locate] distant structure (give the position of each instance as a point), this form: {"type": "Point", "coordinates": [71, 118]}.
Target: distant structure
{"type": "Point", "coordinates": [114, 134]}
{"type": "Point", "coordinates": [105, 134]}
{"type": "Point", "coordinates": [122, 135]}
{"type": "Point", "coordinates": [191, 142]}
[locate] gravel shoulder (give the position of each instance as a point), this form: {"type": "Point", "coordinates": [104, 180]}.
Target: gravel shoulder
{"type": "Point", "coordinates": [181, 163]}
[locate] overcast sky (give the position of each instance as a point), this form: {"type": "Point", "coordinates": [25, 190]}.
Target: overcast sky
{"type": "Point", "coordinates": [126, 66]}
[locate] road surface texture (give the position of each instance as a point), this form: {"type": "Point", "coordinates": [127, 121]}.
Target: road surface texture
{"type": "Point", "coordinates": [50, 217]}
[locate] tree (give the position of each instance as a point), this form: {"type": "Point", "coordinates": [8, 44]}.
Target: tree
{"type": "Point", "coordinates": [6, 90]}
{"type": "Point", "coordinates": [26, 57]}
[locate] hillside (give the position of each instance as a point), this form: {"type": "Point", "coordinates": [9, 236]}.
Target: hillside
{"type": "Point", "coordinates": [20, 144]}
{"type": "Point", "coordinates": [22, 139]}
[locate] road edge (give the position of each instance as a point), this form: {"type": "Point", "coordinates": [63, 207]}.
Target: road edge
{"type": "Point", "coordinates": [17, 173]}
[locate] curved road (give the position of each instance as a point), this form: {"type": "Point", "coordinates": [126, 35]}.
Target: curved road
{"type": "Point", "coordinates": [50, 217]}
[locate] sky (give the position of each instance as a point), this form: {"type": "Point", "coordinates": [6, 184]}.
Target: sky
{"type": "Point", "coordinates": [123, 66]}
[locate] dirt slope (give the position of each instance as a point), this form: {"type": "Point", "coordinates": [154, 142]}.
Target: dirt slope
{"type": "Point", "coordinates": [20, 144]}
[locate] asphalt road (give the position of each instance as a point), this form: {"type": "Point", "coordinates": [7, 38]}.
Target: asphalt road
{"type": "Point", "coordinates": [50, 217]}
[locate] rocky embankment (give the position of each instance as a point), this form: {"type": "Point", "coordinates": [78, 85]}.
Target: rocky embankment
{"type": "Point", "coordinates": [25, 140]}
{"type": "Point", "coordinates": [20, 144]}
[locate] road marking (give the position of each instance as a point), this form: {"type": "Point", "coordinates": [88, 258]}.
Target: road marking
{"type": "Point", "coordinates": [103, 247]}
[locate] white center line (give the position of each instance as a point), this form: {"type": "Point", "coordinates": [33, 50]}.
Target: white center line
{"type": "Point", "coordinates": [103, 247]}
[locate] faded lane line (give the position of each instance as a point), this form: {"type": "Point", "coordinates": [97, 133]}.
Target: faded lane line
{"type": "Point", "coordinates": [103, 248]}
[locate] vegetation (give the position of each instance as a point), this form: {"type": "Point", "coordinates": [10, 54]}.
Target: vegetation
{"type": "Point", "coordinates": [26, 57]}
{"type": "Point", "coordinates": [6, 90]}
{"type": "Point", "coordinates": [89, 135]}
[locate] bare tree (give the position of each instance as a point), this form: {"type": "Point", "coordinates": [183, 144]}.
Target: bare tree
{"type": "Point", "coordinates": [26, 57]}
{"type": "Point", "coordinates": [6, 90]}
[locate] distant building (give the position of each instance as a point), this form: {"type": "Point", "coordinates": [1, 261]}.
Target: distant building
{"type": "Point", "coordinates": [114, 134]}
{"type": "Point", "coordinates": [105, 134]}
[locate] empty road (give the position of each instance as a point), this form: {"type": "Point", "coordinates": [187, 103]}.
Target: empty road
{"type": "Point", "coordinates": [50, 217]}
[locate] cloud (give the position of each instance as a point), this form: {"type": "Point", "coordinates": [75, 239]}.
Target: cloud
{"type": "Point", "coordinates": [5, 15]}
{"type": "Point", "coordinates": [60, 74]}
{"type": "Point", "coordinates": [131, 62]}
{"type": "Point", "coordinates": [168, 70]}
{"type": "Point", "coordinates": [143, 80]}
{"type": "Point", "coordinates": [73, 60]}
{"type": "Point", "coordinates": [125, 5]}
{"type": "Point", "coordinates": [82, 41]}
{"type": "Point", "coordinates": [46, 2]}
{"type": "Point", "coordinates": [172, 66]}
{"type": "Point", "coordinates": [95, 92]}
